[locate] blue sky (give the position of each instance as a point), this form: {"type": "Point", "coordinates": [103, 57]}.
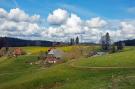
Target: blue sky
{"type": "Point", "coordinates": [60, 20]}
{"type": "Point", "coordinates": [110, 9]}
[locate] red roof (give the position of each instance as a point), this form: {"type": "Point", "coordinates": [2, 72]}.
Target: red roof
{"type": "Point", "coordinates": [18, 51]}
{"type": "Point", "coordinates": [51, 59]}
{"type": "Point", "coordinates": [49, 49]}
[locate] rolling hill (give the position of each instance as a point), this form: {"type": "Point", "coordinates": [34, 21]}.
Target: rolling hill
{"type": "Point", "coordinates": [16, 74]}
{"type": "Point", "coordinates": [15, 42]}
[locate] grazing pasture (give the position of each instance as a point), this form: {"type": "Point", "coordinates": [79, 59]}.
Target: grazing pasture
{"type": "Point", "coordinates": [15, 73]}
{"type": "Point", "coordinates": [126, 58]}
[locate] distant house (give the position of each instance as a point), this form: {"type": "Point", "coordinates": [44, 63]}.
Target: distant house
{"type": "Point", "coordinates": [50, 49]}
{"type": "Point", "coordinates": [54, 55]}
{"type": "Point", "coordinates": [17, 52]}
{"type": "Point", "coordinates": [10, 52]}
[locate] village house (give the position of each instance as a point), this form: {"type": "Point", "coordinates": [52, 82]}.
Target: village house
{"type": "Point", "coordinates": [54, 56]}
{"type": "Point", "coordinates": [17, 52]}
{"type": "Point", "coordinates": [10, 52]}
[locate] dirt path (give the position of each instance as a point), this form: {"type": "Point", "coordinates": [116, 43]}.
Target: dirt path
{"type": "Point", "coordinates": [71, 63]}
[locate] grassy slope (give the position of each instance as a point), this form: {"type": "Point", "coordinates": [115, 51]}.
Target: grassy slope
{"type": "Point", "coordinates": [119, 59]}
{"type": "Point", "coordinates": [16, 74]}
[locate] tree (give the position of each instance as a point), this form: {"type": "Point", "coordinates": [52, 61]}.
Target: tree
{"type": "Point", "coordinates": [1, 43]}
{"type": "Point", "coordinates": [120, 45]}
{"type": "Point", "coordinates": [6, 44]}
{"type": "Point", "coordinates": [77, 40]}
{"type": "Point", "coordinates": [102, 40]}
{"type": "Point", "coordinates": [72, 41]}
{"type": "Point", "coordinates": [106, 42]}
{"type": "Point", "coordinates": [113, 49]}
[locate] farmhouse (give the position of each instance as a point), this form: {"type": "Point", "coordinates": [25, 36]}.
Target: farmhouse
{"type": "Point", "coordinates": [54, 55]}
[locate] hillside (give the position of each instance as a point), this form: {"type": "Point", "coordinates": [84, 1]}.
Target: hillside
{"type": "Point", "coordinates": [15, 73]}
{"type": "Point", "coordinates": [128, 42]}
{"type": "Point", "coordinates": [15, 42]}
{"type": "Point", "coordinates": [119, 59]}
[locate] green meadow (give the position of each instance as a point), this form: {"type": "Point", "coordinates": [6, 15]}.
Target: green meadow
{"type": "Point", "coordinates": [110, 71]}
{"type": "Point", "coordinates": [125, 58]}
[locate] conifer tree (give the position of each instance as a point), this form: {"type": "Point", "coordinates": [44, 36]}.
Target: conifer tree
{"type": "Point", "coordinates": [77, 40]}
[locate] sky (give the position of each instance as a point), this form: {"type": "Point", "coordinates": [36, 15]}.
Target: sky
{"type": "Point", "coordinates": [60, 20]}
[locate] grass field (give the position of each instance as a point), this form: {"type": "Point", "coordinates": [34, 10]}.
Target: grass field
{"type": "Point", "coordinates": [36, 50]}
{"type": "Point", "coordinates": [119, 59]}
{"type": "Point", "coordinates": [15, 73]}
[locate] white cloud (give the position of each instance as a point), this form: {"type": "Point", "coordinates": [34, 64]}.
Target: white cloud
{"type": "Point", "coordinates": [58, 16]}
{"type": "Point", "coordinates": [19, 15]}
{"type": "Point", "coordinates": [17, 23]}
{"type": "Point", "coordinates": [128, 29]}
{"type": "Point", "coordinates": [73, 24]}
{"type": "Point", "coordinates": [96, 22]}
{"type": "Point", "coordinates": [91, 30]}
{"type": "Point", "coordinates": [3, 13]}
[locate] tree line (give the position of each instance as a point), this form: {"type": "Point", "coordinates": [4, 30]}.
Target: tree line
{"type": "Point", "coordinates": [15, 42]}
{"type": "Point", "coordinates": [108, 45]}
{"type": "Point", "coordinates": [74, 41]}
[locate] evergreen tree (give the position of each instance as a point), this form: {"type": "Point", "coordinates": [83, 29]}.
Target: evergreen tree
{"type": "Point", "coordinates": [106, 42]}
{"type": "Point", "coordinates": [102, 40]}
{"type": "Point", "coordinates": [77, 40]}
{"type": "Point", "coordinates": [72, 41]}
{"type": "Point", "coordinates": [1, 43]}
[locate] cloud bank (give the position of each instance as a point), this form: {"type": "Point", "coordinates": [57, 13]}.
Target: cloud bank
{"type": "Point", "coordinates": [62, 26]}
